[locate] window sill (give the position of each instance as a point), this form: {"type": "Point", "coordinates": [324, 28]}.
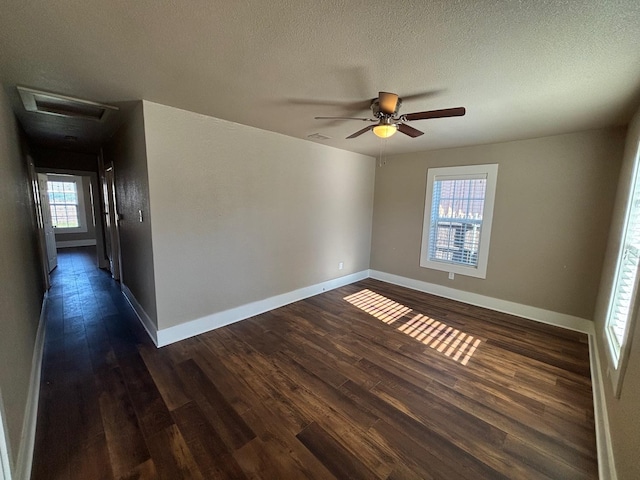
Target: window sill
{"type": "Point", "coordinates": [476, 272]}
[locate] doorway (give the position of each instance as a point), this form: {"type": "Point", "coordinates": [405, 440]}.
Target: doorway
{"type": "Point", "coordinates": [71, 199]}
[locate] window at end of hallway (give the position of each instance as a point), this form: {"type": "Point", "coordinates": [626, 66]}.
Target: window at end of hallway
{"type": "Point", "coordinates": [66, 202]}
{"type": "Point", "coordinates": [457, 219]}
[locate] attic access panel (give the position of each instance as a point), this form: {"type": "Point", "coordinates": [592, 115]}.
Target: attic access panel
{"type": "Point", "coordinates": [63, 106]}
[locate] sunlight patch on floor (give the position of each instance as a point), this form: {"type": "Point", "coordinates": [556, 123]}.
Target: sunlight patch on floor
{"type": "Point", "coordinates": [380, 307]}
{"type": "Point", "coordinates": [451, 342]}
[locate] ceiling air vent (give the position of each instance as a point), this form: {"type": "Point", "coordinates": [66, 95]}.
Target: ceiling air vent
{"type": "Point", "coordinates": [63, 106]}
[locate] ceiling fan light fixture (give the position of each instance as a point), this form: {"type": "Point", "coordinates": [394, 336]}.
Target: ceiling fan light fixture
{"type": "Point", "coordinates": [385, 130]}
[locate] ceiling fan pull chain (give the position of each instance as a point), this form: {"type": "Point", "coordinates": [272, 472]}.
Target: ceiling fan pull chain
{"type": "Point", "coordinates": [382, 152]}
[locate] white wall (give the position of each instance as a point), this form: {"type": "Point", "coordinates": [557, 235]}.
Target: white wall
{"type": "Point", "coordinates": [242, 214]}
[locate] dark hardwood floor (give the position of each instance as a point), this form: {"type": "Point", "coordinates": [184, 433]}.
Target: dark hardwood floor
{"type": "Point", "coordinates": [366, 381]}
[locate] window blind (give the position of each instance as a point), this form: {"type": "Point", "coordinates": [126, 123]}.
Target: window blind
{"type": "Point", "coordinates": [456, 218]}
{"type": "Point", "coordinates": [63, 202]}
{"type": "Point", "coordinates": [625, 286]}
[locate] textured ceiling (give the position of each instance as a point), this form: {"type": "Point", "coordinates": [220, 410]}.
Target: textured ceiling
{"type": "Point", "coordinates": [522, 69]}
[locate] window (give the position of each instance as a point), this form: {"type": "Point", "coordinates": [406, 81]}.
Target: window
{"type": "Point", "coordinates": [622, 300]}
{"type": "Point", "coordinates": [457, 219]}
{"type": "Point", "coordinates": [66, 203]}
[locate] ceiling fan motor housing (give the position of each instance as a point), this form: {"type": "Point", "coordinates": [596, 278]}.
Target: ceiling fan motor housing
{"type": "Point", "coordinates": [375, 108]}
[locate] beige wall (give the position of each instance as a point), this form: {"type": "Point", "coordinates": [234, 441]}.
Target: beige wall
{"type": "Point", "coordinates": [242, 214]}
{"type": "Point", "coordinates": [554, 198]}
{"type": "Point", "coordinates": [128, 152]}
{"type": "Point", "coordinates": [21, 283]}
{"type": "Point", "coordinates": [624, 412]}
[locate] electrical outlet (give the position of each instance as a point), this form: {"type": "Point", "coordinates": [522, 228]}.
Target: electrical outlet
{"type": "Point", "coordinates": [451, 275]}
{"type": "Point", "coordinates": [340, 265]}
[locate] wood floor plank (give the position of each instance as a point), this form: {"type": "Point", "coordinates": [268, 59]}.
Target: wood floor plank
{"type": "Point", "coordinates": [256, 461]}
{"type": "Point", "coordinates": [264, 422]}
{"type": "Point", "coordinates": [153, 414]}
{"type": "Point", "coordinates": [91, 460]}
{"type": "Point", "coordinates": [332, 454]}
{"type": "Point", "coordinates": [544, 463]}
{"type": "Point", "coordinates": [324, 390]}
{"type": "Point", "coordinates": [84, 418]}
{"type": "Point", "coordinates": [51, 455]}
{"type": "Point", "coordinates": [125, 441]}
{"type": "Point", "coordinates": [435, 442]}
{"type": "Point", "coordinates": [233, 429]}
{"type": "Point", "coordinates": [334, 359]}
{"type": "Point", "coordinates": [172, 456]}
{"type": "Point", "coordinates": [164, 376]}
{"type": "Point", "coordinates": [418, 461]}
{"type": "Point", "coordinates": [144, 471]}
{"type": "Point", "coordinates": [520, 421]}
{"type": "Point", "coordinates": [260, 388]}
{"type": "Point", "coordinates": [100, 350]}
{"type": "Point", "coordinates": [227, 382]}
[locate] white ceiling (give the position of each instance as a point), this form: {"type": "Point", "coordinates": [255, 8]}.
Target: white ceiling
{"type": "Point", "coordinates": [522, 69]}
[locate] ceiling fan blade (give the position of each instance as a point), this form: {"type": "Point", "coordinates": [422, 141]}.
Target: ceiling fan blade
{"type": "Point", "coordinates": [347, 106]}
{"type": "Point", "coordinates": [347, 118]}
{"type": "Point", "coordinates": [421, 95]}
{"type": "Point", "coordinates": [388, 102]}
{"type": "Point", "coordinates": [360, 132]}
{"type": "Point", "coordinates": [407, 130]}
{"type": "Point", "coordinates": [447, 112]}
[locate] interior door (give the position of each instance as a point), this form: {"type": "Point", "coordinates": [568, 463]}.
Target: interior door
{"type": "Point", "coordinates": [111, 223]}
{"type": "Point", "coordinates": [49, 234]}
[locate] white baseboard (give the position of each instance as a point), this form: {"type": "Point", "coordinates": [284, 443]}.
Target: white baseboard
{"type": "Point", "coordinates": [145, 319]}
{"type": "Point", "coordinates": [525, 311]}
{"type": "Point", "coordinates": [28, 438]}
{"type": "Point", "coordinates": [76, 243]}
{"type": "Point", "coordinates": [606, 464]}
{"type": "Point", "coordinates": [220, 319]}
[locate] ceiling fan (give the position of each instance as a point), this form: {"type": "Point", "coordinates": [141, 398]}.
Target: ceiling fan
{"type": "Point", "coordinates": [385, 111]}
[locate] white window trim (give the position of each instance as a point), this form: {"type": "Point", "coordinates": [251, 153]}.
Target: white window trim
{"type": "Point", "coordinates": [5, 462]}
{"type": "Point", "coordinates": [619, 353]}
{"type": "Point", "coordinates": [82, 213]}
{"type": "Point", "coordinates": [491, 172]}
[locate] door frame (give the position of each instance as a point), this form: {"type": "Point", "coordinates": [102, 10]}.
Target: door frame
{"type": "Point", "coordinates": [96, 208]}
{"type": "Point", "coordinates": [115, 231]}
{"type": "Point", "coordinates": [35, 191]}
{"type": "Point", "coordinates": [111, 217]}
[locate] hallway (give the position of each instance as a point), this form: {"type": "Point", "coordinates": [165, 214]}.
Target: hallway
{"type": "Point", "coordinates": [92, 334]}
